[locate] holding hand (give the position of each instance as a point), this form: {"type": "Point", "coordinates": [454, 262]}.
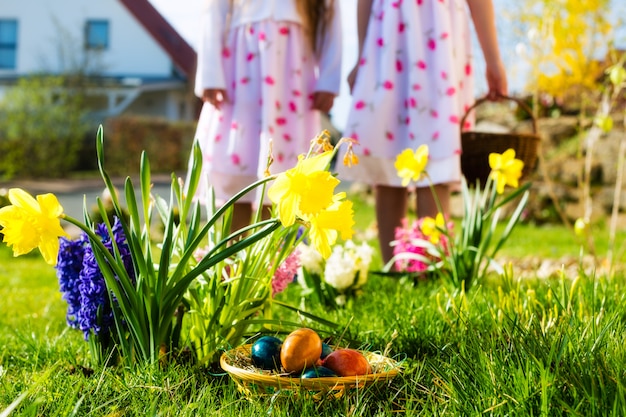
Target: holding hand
{"type": "Point", "coordinates": [215, 96]}
{"type": "Point", "coordinates": [496, 81]}
{"type": "Point", "coordinates": [323, 101]}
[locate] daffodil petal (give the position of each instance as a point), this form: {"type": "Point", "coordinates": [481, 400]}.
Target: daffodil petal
{"type": "Point", "coordinates": [21, 199]}
{"type": "Point", "coordinates": [17, 230]}
{"type": "Point", "coordinates": [315, 163]}
{"type": "Point", "coordinates": [410, 165]}
{"type": "Point", "coordinates": [427, 225]}
{"type": "Point", "coordinates": [322, 239]}
{"type": "Point", "coordinates": [495, 161]}
{"type": "Point", "coordinates": [287, 210]}
{"type": "Point", "coordinates": [316, 191]}
{"type": "Point", "coordinates": [279, 188]}
{"type": "Point", "coordinates": [508, 155]}
{"type": "Point", "coordinates": [49, 249]}
{"type": "Point", "coordinates": [439, 220]}
{"type": "Point", "coordinates": [49, 205]}
{"type": "Point", "coordinates": [29, 223]}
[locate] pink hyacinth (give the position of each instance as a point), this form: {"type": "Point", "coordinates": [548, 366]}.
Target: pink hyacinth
{"type": "Point", "coordinates": [285, 272]}
{"type": "Point", "coordinates": [407, 238]}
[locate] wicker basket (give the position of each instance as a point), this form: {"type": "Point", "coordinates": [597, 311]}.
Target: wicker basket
{"type": "Point", "coordinates": [477, 146]}
{"type": "Point", "coordinates": [254, 382]}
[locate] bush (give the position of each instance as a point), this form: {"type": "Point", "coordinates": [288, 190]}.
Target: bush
{"type": "Point", "coordinates": [166, 143]}
{"type": "Point", "coordinates": [42, 124]}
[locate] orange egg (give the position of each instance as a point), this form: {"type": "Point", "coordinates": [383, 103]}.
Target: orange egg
{"type": "Point", "coordinates": [301, 348]}
{"type": "Point", "coordinates": [347, 362]}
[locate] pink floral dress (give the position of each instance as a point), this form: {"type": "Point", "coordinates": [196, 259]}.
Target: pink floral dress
{"type": "Point", "coordinates": [258, 52]}
{"type": "Point", "coordinates": [270, 78]}
{"type": "Point", "coordinates": [414, 84]}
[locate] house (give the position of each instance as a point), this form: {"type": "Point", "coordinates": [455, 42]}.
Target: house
{"type": "Point", "coordinates": [134, 60]}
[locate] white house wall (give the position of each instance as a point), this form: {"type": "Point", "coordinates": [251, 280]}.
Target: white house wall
{"type": "Point", "coordinates": [48, 29]}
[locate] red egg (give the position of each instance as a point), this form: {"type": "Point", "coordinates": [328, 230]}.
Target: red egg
{"type": "Point", "coordinates": [347, 362]}
{"type": "Point", "coordinates": [301, 348]}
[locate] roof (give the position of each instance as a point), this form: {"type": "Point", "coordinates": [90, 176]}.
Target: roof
{"type": "Point", "coordinates": [182, 54]}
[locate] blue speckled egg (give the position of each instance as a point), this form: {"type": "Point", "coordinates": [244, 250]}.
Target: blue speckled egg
{"type": "Point", "coordinates": [318, 372]}
{"type": "Point", "coordinates": [326, 350]}
{"type": "Point", "coordinates": [265, 352]}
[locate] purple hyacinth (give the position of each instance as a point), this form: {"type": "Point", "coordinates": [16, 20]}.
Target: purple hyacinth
{"type": "Point", "coordinates": [89, 307]}
{"type": "Point", "coordinates": [69, 265]}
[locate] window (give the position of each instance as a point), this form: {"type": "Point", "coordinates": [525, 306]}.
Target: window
{"type": "Point", "coordinates": [8, 43]}
{"type": "Point", "coordinates": [97, 34]}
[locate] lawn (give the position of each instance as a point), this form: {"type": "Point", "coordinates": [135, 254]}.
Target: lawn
{"type": "Point", "coordinates": [507, 346]}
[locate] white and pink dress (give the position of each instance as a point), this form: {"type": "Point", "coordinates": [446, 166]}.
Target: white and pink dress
{"type": "Point", "coordinates": [414, 84]}
{"type": "Point", "coordinates": [257, 51]}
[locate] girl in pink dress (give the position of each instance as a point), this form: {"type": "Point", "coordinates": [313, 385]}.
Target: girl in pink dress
{"type": "Point", "coordinates": [412, 85]}
{"type": "Point", "coordinates": [266, 69]}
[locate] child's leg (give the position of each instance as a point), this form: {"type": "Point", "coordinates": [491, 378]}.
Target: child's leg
{"type": "Point", "coordinates": [391, 207]}
{"type": "Point", "coordinates": [426, 204]}
{"type": "Point", "coordinates": [242, 214]}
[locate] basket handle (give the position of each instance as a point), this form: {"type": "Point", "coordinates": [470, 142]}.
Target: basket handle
{"type": "Point", "coordinates": [518, 101]}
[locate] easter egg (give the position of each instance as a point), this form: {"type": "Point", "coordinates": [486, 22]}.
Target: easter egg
{"type": "Point", "coordinates": [347, 362]}
{"type": "Point", "coordinates": [326, 350]}
{"type": "Point", "coordinates": [302, 348]}
{"type": "Point", "coordinates": [265, 352]}
{"type": "Point", "coordinates": [318, 372]}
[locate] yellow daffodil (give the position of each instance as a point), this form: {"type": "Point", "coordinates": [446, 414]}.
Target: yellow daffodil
{"type": "Point", "coordinates": [431, 228]}
{"type": "Point", "coordinates": [410, 165]}
{"type": "Point", "coordinates": [505, 169]}
{"type": "Point", "coordinates": [338, 219]}
{"type": "Point", "coordinates": [28, 224]}
{"type": "Point", "coordinates": [304, 190]}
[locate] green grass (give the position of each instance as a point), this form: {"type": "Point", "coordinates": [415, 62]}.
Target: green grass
{"type": "Point", "coordinates": [507, 347]}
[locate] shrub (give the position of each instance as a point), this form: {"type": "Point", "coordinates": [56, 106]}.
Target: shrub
{"type": "Point", "coordinates": [41, 128]}
{"type": "Point", "coordinates": [167, 144]}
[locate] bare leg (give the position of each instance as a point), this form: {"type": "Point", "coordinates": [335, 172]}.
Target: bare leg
{"type": "Point", "coordinates": [426, 204]}
{"type": "Point", "coordinates": [266, 213]}
{"type": "Point", "coordinates": [242, 214]}
{"type": "Point", "coordinates": [391, 206]}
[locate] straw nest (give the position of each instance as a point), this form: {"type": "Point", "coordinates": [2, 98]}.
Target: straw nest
{"type": "Point", "coordinates": [253, 381]}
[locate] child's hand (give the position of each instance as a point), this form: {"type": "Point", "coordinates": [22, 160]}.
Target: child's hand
{"type": "Point", "coordinates": [215, 96]}
{"type": "Point", "coordinates": [496, 81]}
{"type": "Point", "coordinates": [323, 101]}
